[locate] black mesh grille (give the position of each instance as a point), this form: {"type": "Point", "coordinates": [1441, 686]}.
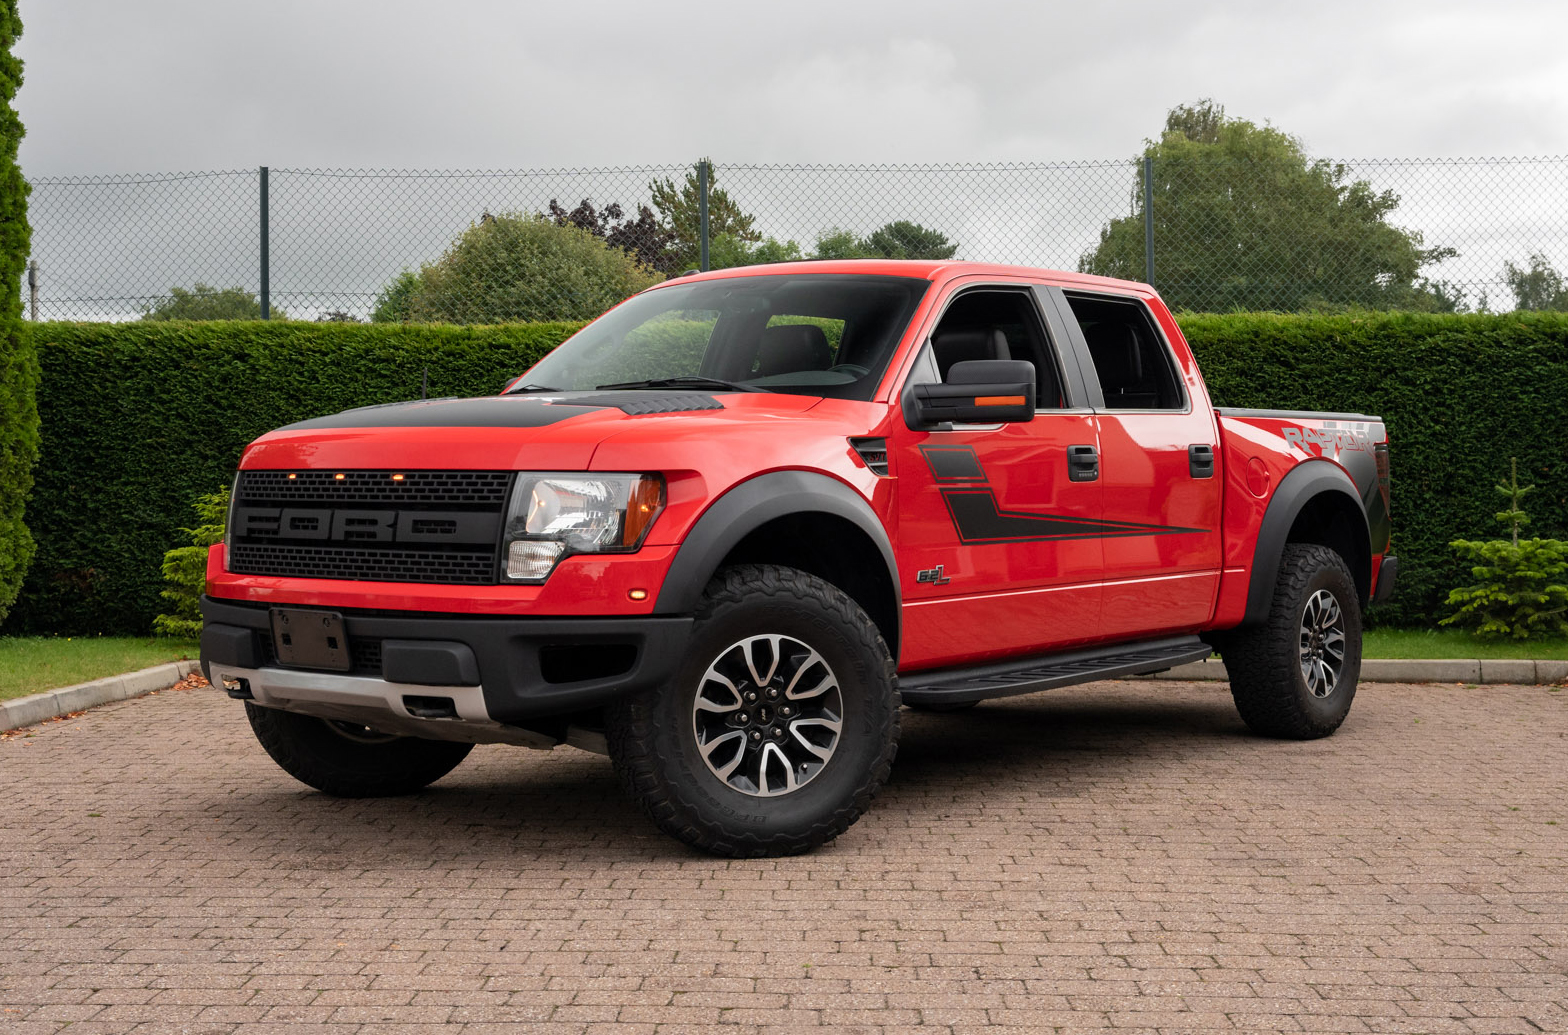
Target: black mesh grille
{"type": "Point", "coordinates": [445, 488]}
{"type": "Point", "coordinates": [364, 564]}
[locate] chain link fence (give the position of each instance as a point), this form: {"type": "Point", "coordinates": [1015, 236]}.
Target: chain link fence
{"type": "Point", "coordinates": [485, 246]}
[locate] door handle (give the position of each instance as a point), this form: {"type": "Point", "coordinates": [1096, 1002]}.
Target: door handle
{"type": "Point", "coordinates": [1200, 460]}
{"type": "Point", "coordinates": [1083, 464]}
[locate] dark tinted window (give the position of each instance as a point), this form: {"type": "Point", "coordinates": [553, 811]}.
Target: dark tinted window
{"type": "Point", "coordinates": [804, 334]}
{"type": "Point", "coordinates": [1130, 358]}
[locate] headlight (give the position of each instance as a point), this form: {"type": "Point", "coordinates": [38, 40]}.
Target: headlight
{"type": "Point", "coordinates": [553, 516]}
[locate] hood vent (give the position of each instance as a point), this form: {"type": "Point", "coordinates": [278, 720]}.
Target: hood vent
{"type": "Point", "coordinates": [639, 403]}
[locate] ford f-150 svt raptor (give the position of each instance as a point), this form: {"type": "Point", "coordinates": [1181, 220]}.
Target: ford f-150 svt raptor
{"type": "Point", "coordinates": [728, 528]}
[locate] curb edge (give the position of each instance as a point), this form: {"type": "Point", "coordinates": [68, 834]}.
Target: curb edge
{"type": "Point", "coordinates": [51, 704]}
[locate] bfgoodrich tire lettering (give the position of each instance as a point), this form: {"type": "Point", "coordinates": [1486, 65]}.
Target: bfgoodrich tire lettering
{"type": "Point", "coordinates": [351, 762]}
{"type": "Point", "coordinates": [654, 738]}
{"type": "Point", "coordinates": [1295, 675]}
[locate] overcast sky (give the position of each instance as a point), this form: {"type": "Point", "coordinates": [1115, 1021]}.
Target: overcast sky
{"type": "Point", "coordinates": [162, 85]}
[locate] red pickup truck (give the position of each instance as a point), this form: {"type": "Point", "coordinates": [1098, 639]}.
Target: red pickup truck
{"type": "Point", "coordinates": [726, 530]}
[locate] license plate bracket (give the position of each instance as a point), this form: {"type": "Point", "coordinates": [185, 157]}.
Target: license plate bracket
{"type": "Point", "coordinates": [310, 639]}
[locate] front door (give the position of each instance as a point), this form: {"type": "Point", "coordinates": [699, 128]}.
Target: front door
{"type": "Point", "coordinates": [997, 539]}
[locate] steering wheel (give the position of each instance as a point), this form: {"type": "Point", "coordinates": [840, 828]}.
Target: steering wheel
{"type": "Point", "coordinates": [849, 368]}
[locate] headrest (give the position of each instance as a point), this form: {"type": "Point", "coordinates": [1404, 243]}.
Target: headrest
{"type": "Point", "coordinates": [789, 347]}
{"type": "Point", "coordinates": [962, 346]}
{"type": "Point", "coordinates": [1117, 358]}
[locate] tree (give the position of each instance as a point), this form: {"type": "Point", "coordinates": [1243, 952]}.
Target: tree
{"type": "Point", "coordinates": [906, 240]}
{"type": "Point", "coordinates": [204, 302]}
{"type": "Point", "coordinates": [525, 267]}
{"type": "Point", "coordinates": [836, 243]}
{"type": "Point", "coordinates": [1539, 288]}
{"type": "Point", "coordinates": [1244, 220]}
{"type": "Point", "coordinates": [644, 238]}
{"type": "Point", "coordinates": [18, 361]}
{"type": "Point", "coordinates": [680, 215]}
{"type": "Point", "coordinates": [392, 304]}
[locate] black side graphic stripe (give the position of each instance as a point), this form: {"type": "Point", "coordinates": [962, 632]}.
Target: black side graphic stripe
{"type": "Point", "coordinates": [978, 520]}
{"type": "Point", "coordinates": [953, 463]}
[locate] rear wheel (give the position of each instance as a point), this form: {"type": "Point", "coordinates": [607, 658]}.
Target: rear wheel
{"type": "Point", "coordinates": [348, 760]}
{"type": "Point", "coordinates": [1295, 675]}
{"type": "Point", "coordinates": [778, 728]}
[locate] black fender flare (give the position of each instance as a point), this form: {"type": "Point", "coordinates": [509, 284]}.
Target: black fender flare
{"type": "Point", "coordinates": [1299, 486]}
{"type": "Point", "coordinates": [746, 508]}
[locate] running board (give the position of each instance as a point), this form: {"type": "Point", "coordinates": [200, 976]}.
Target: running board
{"type": "Point", "coordinates": [1010, 678]}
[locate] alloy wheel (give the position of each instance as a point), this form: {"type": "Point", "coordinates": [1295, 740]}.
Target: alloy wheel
{"type": "Point", "coordinates": [767, 715]}
{"type": "Point", "coordinates": [1322, 643]}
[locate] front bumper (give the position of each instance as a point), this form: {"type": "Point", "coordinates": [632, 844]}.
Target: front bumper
{"type": "Point", "coordinates": [501, 671]}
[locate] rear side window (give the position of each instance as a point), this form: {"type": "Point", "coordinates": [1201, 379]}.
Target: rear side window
{"type": "Point", "coordinates": [1130, 358]}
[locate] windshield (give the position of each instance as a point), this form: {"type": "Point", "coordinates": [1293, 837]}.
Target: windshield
{"type": "Point", "coordinates": [805, 334]}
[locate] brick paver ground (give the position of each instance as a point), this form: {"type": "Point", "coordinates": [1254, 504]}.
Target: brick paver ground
{"type": "Point", "coordinates": [1121, 856]}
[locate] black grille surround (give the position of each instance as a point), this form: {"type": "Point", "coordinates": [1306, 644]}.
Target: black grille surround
{"type": "Point", "coordinates": [433, 527]}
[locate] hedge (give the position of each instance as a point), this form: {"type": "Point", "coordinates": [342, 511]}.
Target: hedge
{"type": "Point", "coordinates": [1460, 395]}
{"type": "Point", "coordinates": [140, 419]}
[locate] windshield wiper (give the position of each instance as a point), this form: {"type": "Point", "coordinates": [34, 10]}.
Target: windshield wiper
{"type": "Point", "coordinates": [691, 381]}
{"type": "Point", "coordinates": [519, 389]}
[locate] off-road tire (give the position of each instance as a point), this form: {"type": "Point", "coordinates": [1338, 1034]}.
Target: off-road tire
{"type": "Point", "coordinates": [654, 746]}
{"type": "Point", "coordinates": [315, 753]}
{"type": "Point", "coordinates": [1264, 661]}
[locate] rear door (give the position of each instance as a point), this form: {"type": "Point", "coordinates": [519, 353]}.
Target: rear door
{"type": "Point", "coordinates": [996, 538]}
{"type": "Point", "coordinates": [1159, 465]}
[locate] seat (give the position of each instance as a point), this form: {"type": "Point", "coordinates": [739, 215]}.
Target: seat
{"type": "Point", "coordinates": [790, 347]}
{"type": "Point", "coordinates": [961, 346]}
{"type": "Point", "coordinates": [1118, 360]}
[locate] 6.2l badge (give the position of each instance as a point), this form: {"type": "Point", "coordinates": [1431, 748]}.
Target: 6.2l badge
{"type": "Point", "coordinates": [933, 576]}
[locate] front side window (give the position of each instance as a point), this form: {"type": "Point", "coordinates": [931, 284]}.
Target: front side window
{"type": "Point", "coordinates": [1130, 358]}
{"type": "Point", "coordinates": [803, 334]}
{"type": "Point", "coordinates": [998, 324]}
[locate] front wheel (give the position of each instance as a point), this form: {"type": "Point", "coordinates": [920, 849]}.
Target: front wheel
{"type": "Point", "coordinates": [778, 728]}
{"type": "Point", "coordinates": [1294, 676]}
{"type": "Point", "coordinates": [347, 760]}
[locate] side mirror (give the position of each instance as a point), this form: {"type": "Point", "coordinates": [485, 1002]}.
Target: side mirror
{"type": "Point", "coordinates": [979, 391]}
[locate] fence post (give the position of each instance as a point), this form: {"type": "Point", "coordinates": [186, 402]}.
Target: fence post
{"type": "Point", "coordinates": [32, 290]}
{"type": "Point", "coordinates": [703, 178]}
{"type": "Point", "coordinates": [266, 251]}
{"type": "Point", "coordinates": [1148, 219]}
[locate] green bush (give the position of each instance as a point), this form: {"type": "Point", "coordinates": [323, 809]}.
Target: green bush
{"type": "Point", "coordinates": [1523, 592]}
{"type": "Point", "coordinates": [18, 365]}
{"type": "Point", "coordinates": [186, 567]}
{"type": "Point", "coordinates": [522, 267]}
{"type": "Point", "coordinates": [140, 418]}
